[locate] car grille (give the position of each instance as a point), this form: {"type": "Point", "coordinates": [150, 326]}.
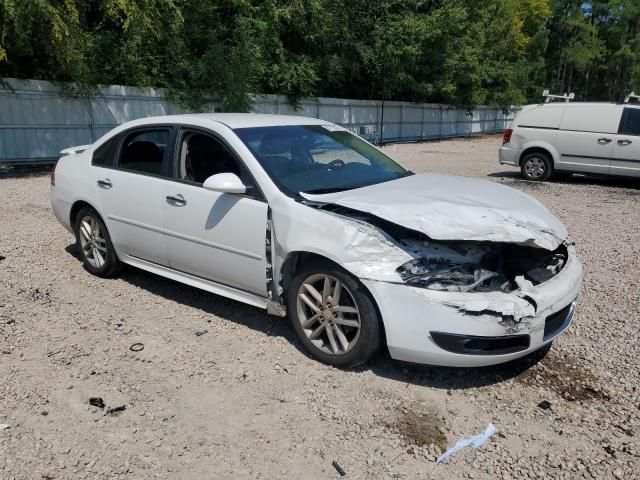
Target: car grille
{"type": "Point", "coordinates": [557, 322]}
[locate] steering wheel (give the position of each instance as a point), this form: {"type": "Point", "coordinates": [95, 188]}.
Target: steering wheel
{"type": "Point", "coordinates": [337, 163]}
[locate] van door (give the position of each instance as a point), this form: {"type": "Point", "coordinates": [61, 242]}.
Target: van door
{"type": "Point", "coordinates": [586, 137]}
{"type": "Point", "coordinates": [626, 148]}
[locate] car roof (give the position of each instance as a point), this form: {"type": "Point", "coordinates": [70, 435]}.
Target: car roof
{"type": "Point", "coordinates": [235, 120]}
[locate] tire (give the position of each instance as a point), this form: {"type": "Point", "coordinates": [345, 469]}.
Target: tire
{"type": "Point", "coordinates": [337, 321]}
{"type": "Point", "coordinates": [95, 247]}
{"type": "Point", "coordinates": [536, 166]}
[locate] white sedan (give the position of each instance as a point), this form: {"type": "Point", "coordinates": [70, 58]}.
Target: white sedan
{"type": "Point", "coordinates": [302, 218]}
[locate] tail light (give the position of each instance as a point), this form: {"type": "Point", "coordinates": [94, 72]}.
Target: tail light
{"type": "Point", "coordinates": [506, 137]}
{"type": "Point", "coordinates": [53, 174]}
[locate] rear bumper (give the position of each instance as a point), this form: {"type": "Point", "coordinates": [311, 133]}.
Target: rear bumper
{"type": "Point", "coordinates": [61, 209]}
{"type": "Point", "coordinates": [508, 155]}
{"type": "Point", "coordinates": [475, 329]}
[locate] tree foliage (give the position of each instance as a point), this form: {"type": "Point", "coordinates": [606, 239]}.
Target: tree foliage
{"type": "Point", "coordinates": [498, 52]}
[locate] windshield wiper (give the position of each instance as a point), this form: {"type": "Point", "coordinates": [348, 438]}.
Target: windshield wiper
{"type": "Point", "coordinates": [328, 190]}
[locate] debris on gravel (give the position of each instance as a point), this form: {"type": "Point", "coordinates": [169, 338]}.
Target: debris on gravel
{"type": "Point", "coordinates": [248, 403]}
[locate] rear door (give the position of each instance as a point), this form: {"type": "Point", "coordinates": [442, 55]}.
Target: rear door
{"type": "Point", "coordinates": [626, 148]}
{"type": "Point", "coordinates": [216, 236]}
{"type": "Point", "coordinates": [131, 190]}
{"type": "Point", "coordinates": [586, 137]}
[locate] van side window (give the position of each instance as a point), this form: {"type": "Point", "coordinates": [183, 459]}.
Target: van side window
{"type": "Point", "coordinates": [105, 153]}
{"type": "Point", "coordinates": [630, 122]}
{"type": "Point", "coordinates": [143, 151]}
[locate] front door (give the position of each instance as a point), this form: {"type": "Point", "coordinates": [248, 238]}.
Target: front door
{"type": "Point", "coordinates": [216, 236]}
{"type": "Point", "coordinates": [131, 194]}
{"type": "Point", "coordinates": [626, 149]}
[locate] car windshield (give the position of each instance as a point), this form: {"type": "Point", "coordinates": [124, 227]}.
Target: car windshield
{"type": "Point", "coordinates": [317, 158]}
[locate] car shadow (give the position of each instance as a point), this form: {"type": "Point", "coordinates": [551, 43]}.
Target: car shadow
{"type": "Point", "coordinates": [206, 302]}
{"type": "Point", "coordinates": [453, 378]}
{"type": "Point", "coordinates": [447, 378]}
{"type": "Point", "coordinates": [632, 183]}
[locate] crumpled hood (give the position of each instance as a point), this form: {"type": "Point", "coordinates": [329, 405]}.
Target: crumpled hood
{"type": "Point", "coordinates": [447, 207]}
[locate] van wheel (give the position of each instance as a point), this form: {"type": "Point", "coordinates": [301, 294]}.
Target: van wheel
{"type": "Point", "coordinates": [536, 166]}
{"type": "Point", "coordinates": [334, 316]}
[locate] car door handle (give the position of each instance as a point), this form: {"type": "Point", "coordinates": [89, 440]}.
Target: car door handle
{"type": "Point", "coordinates": [176, 200]}
{"type": "Point", "coordinates": [604, 141]}
{"type": "Point", "coordinates": [624, 142]}
{"type": "Point", "coordinates": [106, 184]}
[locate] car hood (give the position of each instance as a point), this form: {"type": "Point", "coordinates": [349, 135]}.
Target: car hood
{"type": "Point", "coordinates": [446, 207]}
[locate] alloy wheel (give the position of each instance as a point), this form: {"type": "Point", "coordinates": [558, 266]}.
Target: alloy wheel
{"type": "Point", "coordinates": [535, 167]}
{"type": "Point", "coordinates": [328, 314]}
{"type": "Point", "coordinates": [93, 242]}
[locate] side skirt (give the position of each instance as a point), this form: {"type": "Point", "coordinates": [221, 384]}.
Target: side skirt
{"type": "Point", "coordinates": [198, 282]}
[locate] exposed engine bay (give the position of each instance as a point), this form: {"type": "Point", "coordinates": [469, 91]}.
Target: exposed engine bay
{"type": "Point", "coordinates": [478, 266]}
{"type": "Point", "coordinates": [465, 266]}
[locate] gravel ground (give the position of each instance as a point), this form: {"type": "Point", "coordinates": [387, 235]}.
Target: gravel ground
{"type": "Point", "coordinates": [243, 400]}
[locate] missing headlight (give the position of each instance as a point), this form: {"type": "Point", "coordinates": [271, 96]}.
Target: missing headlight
{"type": "Point", "coordinates": [478, 266]}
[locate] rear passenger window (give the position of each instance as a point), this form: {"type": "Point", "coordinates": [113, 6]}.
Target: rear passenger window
{"type": "Point", "coordinates": [630, 122]}
{"type": "Point", "coordinates": [143, 151]}
{"type": "Point", "coordinates": [105, 153]}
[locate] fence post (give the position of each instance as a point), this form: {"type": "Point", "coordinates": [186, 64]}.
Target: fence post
{"type": "Point", "coordinates": [89, 102]}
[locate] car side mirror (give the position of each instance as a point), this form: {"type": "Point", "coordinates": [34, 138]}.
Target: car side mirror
{"type": "Point", "coordinates": [224, 183]}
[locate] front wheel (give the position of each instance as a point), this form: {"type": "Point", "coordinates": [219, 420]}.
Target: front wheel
{"type": "Point", "coordinates": [334, 316]}
{"type": "Point", "coordinates": [536, 167]}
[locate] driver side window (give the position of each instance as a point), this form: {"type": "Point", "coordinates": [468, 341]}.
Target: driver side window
{"type": "Point", "coordinates": [202, 155]}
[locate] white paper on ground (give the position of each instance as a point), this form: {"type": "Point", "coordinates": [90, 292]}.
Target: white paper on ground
{"type": "Point", "coordinates": [476, 442]}
{"type": "Point", "coordinates": [4, 425]}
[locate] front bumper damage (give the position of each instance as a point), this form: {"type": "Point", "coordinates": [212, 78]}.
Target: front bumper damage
{"type": "Point", "coordinates": [413, 317]}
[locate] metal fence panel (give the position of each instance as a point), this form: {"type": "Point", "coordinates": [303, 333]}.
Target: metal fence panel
{"type": "Point", "coordinates": [37, 121]}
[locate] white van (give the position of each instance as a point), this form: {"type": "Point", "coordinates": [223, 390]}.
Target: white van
{"type": "Point", "coordinates": [562, 138]}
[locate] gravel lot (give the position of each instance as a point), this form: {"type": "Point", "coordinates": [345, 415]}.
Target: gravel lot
{"type": "Point", "coordinates": [243, 400]}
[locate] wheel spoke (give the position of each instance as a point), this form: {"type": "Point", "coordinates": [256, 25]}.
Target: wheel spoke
{"type": "Point", "coordinates": [314, 293]}
{"type": "Point", "coordinates": [332, 340]}
{"type": "Point", "coordinates": [310, 321]}
{"type": "Point", "coordinates": [99, 258]}
{"type": "Point", "coordinates": [85, 229]}
{"type": "Point", "coordinates": [317, 332]}
{"type": "Point", "coordinates": [326, 288]}
{"type": "Point", "coordinates": [337, 291]}
{"type": "Point", "coordinates": [345, 309]}
{"type": "Point", "coordinates": [101, 249]}
{"type": "Point", "coordinates": [341, 338]}
{"type": "Point", "coordinates": [308, 302]}
{"type": "Point", "coordinates": [347, 323]}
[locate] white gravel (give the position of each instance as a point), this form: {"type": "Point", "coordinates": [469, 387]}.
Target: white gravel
{"type": "Point", "coordinates": [243, 401]}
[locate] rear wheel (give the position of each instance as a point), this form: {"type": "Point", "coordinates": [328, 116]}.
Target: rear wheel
{"type": "Point", "coordinates": [93, 241]}
{"type": "Point", "coordinates": [536, 166]}
{"type": "Point", "coordinates": [334, 316]}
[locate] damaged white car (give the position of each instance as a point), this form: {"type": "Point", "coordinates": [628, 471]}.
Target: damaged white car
{"type": "Point", "coordinates": [302, 218]}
